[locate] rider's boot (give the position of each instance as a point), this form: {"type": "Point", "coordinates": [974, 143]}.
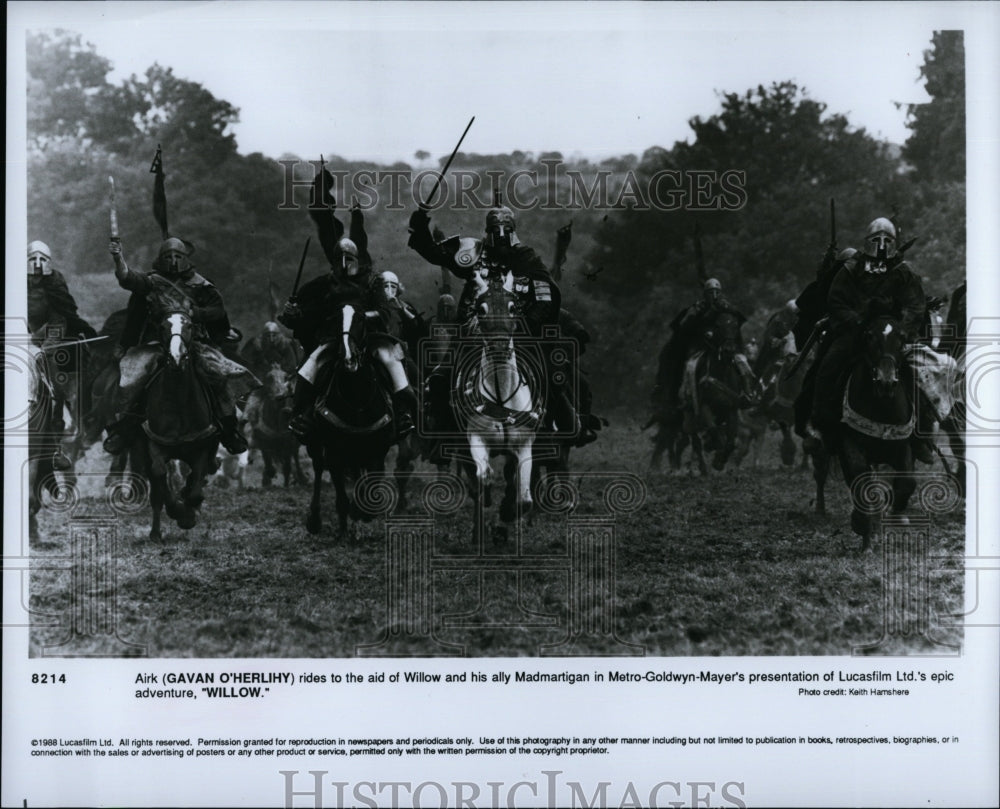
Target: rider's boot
{"type": "Point", "coordinates": [302, 419]}
{"type": "Point", "coordinates": [404, 408]}
{"type": "Point", "coordinates": [922, 441]}
{"type": "Point", "coordinates": [232, 438]}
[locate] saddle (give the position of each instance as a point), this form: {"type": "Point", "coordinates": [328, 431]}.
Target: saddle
{"type": "Point", "coordinates": [353, 401]}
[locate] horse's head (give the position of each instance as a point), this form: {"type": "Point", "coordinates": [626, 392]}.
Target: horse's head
{"type": "Point", "coordinates": [174, 311]}
{"type": "Point", "coordinates": [883, 343]}
{"type": "Point", "coordinates": [497, 309]}
{"type": "Point", "coordinates": [277, 385]}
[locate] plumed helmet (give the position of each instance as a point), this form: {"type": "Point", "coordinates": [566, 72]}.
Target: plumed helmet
{"type": "Point", "coordinates": [500, 227]}
{"type": "Point", "coordinates": [39, 258]}
{"type": "Point", "coordinates": [347, 257]}
{"type": "Point", "coordinates": [271, 328]}
{"type": "Point", "coordinates": [880, 239]}
{"type": "Point", "coordinates": [712, 283]}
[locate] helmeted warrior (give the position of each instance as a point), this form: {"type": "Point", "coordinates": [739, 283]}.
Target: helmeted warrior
{"type": "Point", "coordinates": [52, 315]}
{"type": "Point", "coordinates": [500, 252]}
{"type": "Point", "coordinates": [692, 331]}
{"type": "Point", "coordinates": [495, 255]}
{"type": "Point", "coordinates": [322, 314]}
{"type": "Point", "coordinates": [140, 355]}
{"type": "Point", "coordinates": [875, 282]}
{"type": "Point", "coordinates": [50, 303]}
{"type": "Point", "coordinates": [268, 348]}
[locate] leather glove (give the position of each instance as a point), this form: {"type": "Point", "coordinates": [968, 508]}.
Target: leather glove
{"type": "Point", "coordinates": [419, 220]}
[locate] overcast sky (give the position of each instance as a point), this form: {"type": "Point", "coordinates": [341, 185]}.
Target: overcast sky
{"type": "Point", "coordinates": [381, 81]}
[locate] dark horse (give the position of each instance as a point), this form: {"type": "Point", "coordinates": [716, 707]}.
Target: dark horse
{"type": "Point", "coordinates": [876, 425]}
{"type": "Point", "coordinates": [266, 415]}
{"type": "Point", "coordinates": [179, 422]}
{"type": "Point", "coordinates": [717, 383]}
{"type": "Point", "coordinates": [354, 423]}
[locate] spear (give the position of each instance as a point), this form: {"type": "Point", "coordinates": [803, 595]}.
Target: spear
{"type": "Point", "coordinates": [437, 183]}
{"type": "Point", "coordinates": [699, 258]}
{"type": "Point", "coordinates": [302, 263]}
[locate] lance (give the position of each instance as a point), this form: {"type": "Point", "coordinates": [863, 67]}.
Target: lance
{"type": "Point", "coordinates": [699, 258]}
{"type": "Point", "coordinates": [115, 236]}
{"type": "Point", "coordinates": [81, 341]}
{"type": "Point", "coordinates": [437, 183]}
{"type": "Point", "coordinates": [833, 224]}
{"type": "Point", "coordinates": [302, 263]}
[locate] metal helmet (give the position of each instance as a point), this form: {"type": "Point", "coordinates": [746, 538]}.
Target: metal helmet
{"type": "Point", "coordinates": [389, 285]}
{"type": "Point", "coordinates": [446, 308]}
{"type": "Point", "coordinates": [500, 227]}
{"type": "Point", "coordinates": [174, 257]}
{"type": "Point", "coordinates": [880, 240]}
{"type": "Point", "coordinates": [712, 290]}
{"type": "Point", "coordinates": [39, 258]}
{"type": "Point", "coordinates": [347, 258]}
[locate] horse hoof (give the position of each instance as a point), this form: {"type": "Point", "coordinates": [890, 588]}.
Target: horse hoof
{"type": "Point", "coordinates": [500, 534]}
{"type": "Point", "coordinates": [314, 523]}
{"type": "Point", "coordinates": [187, 520]}
{"type": "Point", "coordinates": [155, 536]}
{"type": "Point", "coordinates": [860, 526]}
{"type": "Point", "coordinates": [508, 512]}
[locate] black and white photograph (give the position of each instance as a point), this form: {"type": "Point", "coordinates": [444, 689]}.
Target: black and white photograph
{"type": "Point", "coordinates": [501, 404]}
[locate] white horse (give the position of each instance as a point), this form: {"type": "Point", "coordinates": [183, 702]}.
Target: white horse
{"type": "Point", "coordinates": [498, 399]}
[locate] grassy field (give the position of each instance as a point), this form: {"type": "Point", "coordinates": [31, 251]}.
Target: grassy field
{"type": "Point", "coordinates": [733, 564]}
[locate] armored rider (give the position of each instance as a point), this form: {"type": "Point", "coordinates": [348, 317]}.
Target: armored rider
{"type": "Point", "coordinates": [51, 306]}
{"type": "Point", "coordinates": [139, 357]}
{"type": "Point", "coordinates": [323, 312]}
{"type": "Point", "coordinates": [692, 330]}
{"type": "Point", "coordinates": [876, 281]}
{"type": "Point", "coordinates": [498, 253]}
